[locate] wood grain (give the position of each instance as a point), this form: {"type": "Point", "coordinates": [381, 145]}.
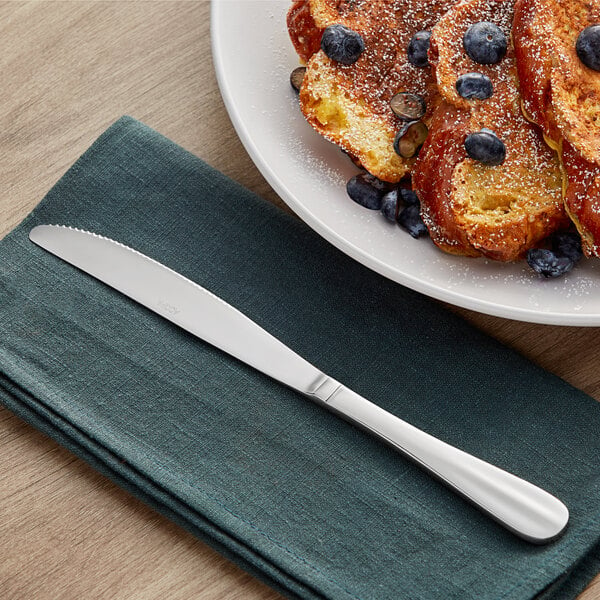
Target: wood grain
{"type": "Point", "coordinates": [69, 69]}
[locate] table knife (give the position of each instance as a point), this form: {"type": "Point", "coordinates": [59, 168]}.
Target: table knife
{"type": "Point", "coordinates": [523, 508]}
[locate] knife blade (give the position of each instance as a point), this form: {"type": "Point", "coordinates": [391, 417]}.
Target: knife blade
{"type": "Point", "coordinates": [522, 507]}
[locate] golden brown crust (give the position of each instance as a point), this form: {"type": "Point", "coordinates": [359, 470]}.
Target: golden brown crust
{"type": "Point", "coordinates": [562, 96]}
{"type": "Point", "coordinates": [535, 64]}
{"type": "Point", "coordinates": [349, 104]}
{"type": "Point", "coordinates": [470, 208]}
{"type": "Point", "coordinates": [302, 29]}
{"type": "Point", "coordinates": [432, 179]}
{"type": "Point", "coordinates": [559, 92]}
{"type": "Point", "coordinates": [449, 59]}
{"type": "Point", "coordinates": [582, 199]}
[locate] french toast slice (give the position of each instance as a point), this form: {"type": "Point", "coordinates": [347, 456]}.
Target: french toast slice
{"type": "Point", "coordinates": [471, 208]}
{"type": "Point", "coordinates": [562, 96]}
{"type": "Point", "coordinates": [582, 196]}
{"type": "Point", "coordinates": [350, 104]}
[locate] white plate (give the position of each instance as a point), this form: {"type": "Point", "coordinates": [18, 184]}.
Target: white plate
{"type": "Point", "coordinates": [253, 59]}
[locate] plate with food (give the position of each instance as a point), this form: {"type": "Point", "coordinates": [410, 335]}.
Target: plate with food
{"type": "Point", "coordinates": [439, 143]}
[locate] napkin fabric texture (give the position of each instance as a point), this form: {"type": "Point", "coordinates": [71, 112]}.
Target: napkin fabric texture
{"type": "Point", "coordinates": [294, 495]}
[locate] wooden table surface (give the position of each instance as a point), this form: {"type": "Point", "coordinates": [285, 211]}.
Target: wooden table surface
{"type": "Point", "coordinates": [68, 70]}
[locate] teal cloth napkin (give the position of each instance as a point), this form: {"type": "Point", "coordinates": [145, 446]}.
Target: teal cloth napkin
{"type": "Point", "coordinates": [301, 499]}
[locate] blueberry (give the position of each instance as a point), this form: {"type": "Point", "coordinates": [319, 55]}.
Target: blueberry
{"type": "Point", "coordinates": [389, 205]}
{"type": "Point", "coordinates": [588, 47]}
{"type": "Point", "coordinates": [567, 243]}
{"type": "Point", "coordinates": [547, 263]}
{"type": "Point", "coordinates": [409, 107]}
{"type": "Point", "coordinates": [485, 43]}
{"type": "Point", "coordinates": [408, 197]}
{"type": "Point", "coordinates": [342, 44]}
{"type": "Point", "coordinates": [378, 184]}
{"type": "Point", "coordinates": [474, 86]}
{"type": "Point", "coordinates": [296, 77]}
{"type": "Point", "coordinates": [410, 219]}
{"type": "Point", "coordinates": [486, 147]}
{"type": "Point", "coordinates": [418, 48]}
{"type": "Point", "coordinates": [366, 190]}
{"type": "Point", "coordinates": [410, 138]}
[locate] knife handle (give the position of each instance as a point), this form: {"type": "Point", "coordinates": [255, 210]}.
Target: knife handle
{"type": "Point", "coordinates": [520, 506]}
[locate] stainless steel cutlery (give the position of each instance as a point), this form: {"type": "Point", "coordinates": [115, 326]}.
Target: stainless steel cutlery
{"type": "Point", "coordinates": [522, 507]}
